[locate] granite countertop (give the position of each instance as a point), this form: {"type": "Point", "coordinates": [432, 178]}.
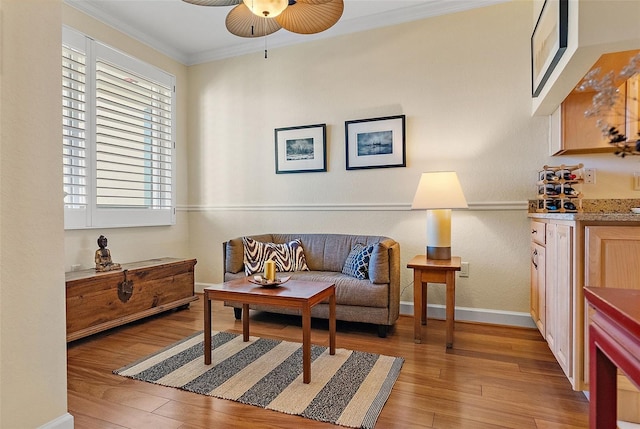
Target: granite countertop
{"type": "Point", "coordinates": [593, 217]}
{"type": "Point", "coordinates": [594, 211]}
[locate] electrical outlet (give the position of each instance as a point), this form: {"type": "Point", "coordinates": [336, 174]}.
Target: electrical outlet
{"type": "Point", "coordinates": [75, 267]}
{"type": "Point", "coordinates": [590, 176]}
{"type": "Point", "coordinates": [464, 269]}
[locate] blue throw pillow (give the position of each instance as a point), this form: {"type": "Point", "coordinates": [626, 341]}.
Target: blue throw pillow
{"type": "Point", "coordinates": [357, 263]}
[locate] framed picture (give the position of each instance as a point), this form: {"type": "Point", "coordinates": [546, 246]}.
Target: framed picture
{"type": "Point", "coordinates": [375, 143]}
{"type": "Point", "coordinates": [301, 149]}
{"type": "Point", "coordinates": [548, 42]}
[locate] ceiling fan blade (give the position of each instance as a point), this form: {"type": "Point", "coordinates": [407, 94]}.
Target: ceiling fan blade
{"type": "Point", "coordinates": [214, 2]}
{"type": "Point", "coordinates": [243, 23]}
{"type": "Point", "coordinates": [307, 18]}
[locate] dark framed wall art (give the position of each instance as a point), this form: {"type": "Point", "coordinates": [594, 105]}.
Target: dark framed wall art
{"type": "Point", "coordinates": [375, 142]}
{"type": "Point", "coordinates": [301, 149]}
{"type": "Point", "coordinates": [548, 42]}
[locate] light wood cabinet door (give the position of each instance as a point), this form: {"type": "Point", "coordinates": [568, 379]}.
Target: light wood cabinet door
{"type": "Point", "coordinates": [559, 292]}
{"type": "Point", "coordinates": [538, 307]}
{"type": "Point", "coordinates": [563, 298]}
{"type": "Point", "coordinates": [613, 257]}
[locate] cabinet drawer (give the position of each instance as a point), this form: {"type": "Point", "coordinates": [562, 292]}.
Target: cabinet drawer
{"type": "Point", "coordinates": [538, 232]}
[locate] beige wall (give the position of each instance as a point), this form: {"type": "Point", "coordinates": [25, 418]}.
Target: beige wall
{"type": "Point", "coordinates": [135, 244]}
{"type": "Point", "coordinates": [462, 80]}
{"type": "Point", "coordinates": [32, 307]}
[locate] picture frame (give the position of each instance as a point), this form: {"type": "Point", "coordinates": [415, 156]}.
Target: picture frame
{"type": "Point", "coordinates": [375, 143]}
{"type": "Point", "coordinates": [301, 149]}
{"type": "Point", "coordinates": [548, 42]}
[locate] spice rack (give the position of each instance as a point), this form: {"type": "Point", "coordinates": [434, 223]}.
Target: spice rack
{"type": "Point", "coordinates": [557, 191]}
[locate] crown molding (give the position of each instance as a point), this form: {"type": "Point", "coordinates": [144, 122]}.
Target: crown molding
{"type": "Point", "coordinates": [97, 13]}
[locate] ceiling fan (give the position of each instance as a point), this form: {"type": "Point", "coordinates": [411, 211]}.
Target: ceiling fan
{"type": "Point", "coordinates": [257, 18]}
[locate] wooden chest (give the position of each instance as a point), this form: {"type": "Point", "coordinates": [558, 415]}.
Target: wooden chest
{"type": "Point", "coordinates": [100, 301]}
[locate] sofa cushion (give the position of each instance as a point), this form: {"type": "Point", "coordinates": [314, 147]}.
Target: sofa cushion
{"type": "Point", "coordinates": [357, 262]}
{"type": "Point", "coordinates": [287, 256]}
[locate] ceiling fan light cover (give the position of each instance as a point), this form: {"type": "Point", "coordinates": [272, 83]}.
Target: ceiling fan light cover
{"type": "Point", "coordinates": [266, 8]}
{"type": "Point", "coordinates": [241, 22]}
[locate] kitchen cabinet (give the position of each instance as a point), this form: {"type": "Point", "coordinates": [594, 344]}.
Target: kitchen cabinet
{"type": "Point", "coordinates": [573, 133]}
{"type": "Point", "coordinates": [552, 287]}
{"type": "Point", "coordinates": [585, 249]}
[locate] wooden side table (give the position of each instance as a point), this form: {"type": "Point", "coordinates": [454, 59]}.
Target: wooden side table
{"type": "Point", "coordinates": [433, 271]}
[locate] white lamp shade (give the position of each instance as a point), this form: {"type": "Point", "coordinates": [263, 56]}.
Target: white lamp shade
{"type": "Point", "coordinates": [439, 190]}
{"type": "Point", "coordinates": [266, 8]}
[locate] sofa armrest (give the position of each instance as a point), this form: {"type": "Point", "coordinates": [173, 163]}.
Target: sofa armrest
{"type": "Point", "coordinates": [394, 283]}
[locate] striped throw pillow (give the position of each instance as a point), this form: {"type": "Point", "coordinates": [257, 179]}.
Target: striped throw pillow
{"type": "Point", "coordinates": [287, 256]}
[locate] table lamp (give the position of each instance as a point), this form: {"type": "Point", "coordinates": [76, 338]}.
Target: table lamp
{"type": "Point", "coordinates": [438, 192]}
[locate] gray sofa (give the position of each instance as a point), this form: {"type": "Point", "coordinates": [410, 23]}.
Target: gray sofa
{"type": "Point", "coordinates": [374, 300]}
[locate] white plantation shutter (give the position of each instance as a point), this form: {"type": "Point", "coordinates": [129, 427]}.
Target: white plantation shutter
{"type": "Point", "coordinates": [128, 149]}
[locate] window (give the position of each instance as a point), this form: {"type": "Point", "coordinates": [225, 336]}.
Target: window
{"type": "Point", "coordinates": [118, 137]}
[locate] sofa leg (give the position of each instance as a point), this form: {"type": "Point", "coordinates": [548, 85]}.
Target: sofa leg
{"type": "Point", "coordinates": [237, 312]}
{"type": "Point", "coordinates": [382, 331]}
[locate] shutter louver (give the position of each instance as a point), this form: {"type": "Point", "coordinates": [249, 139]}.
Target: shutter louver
{"type": "Point", "coordinates": [74, 128]}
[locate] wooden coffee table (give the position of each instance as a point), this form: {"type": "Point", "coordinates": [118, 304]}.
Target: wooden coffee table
{"type": "Point", "coordinates": [301, 295]}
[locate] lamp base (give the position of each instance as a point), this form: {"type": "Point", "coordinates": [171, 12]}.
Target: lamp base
{"type": "Point", "coordinates": [438, 252]}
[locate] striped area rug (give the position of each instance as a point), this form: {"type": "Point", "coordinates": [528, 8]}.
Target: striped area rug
{"type": "Point", "coordinates": [349, 388]}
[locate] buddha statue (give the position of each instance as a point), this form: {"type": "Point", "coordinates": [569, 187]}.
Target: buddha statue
{"type": "Point", "coordinates": [103, 257]}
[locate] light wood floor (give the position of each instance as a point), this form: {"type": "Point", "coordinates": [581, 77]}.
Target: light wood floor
{"type": "Point", "coordinates": [494, 377]}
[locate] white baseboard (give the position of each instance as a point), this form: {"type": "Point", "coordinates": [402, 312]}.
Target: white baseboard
{"type": "Point", "coordinates": [65, 421]}
{"type": "Point", "coordinates": [627, 425]}
{"type": "Point", "coordinates": [481, 315]}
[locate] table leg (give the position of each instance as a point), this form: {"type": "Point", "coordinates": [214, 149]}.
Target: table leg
{"type": "Point", "coordinates": [207, 329]}
{"type": "Point", "coordinates": [306, 344]}
{"type": "Point", "coordinates": [417, 306]}
{"type": "Point", "coordinates": [450, 306]}
{"type": "Point", "coordinates": [332, 324]}
{"type": "Point", "coordinates": [245, 322]}
{"type": "Point", "coordinates": [603, 391]}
